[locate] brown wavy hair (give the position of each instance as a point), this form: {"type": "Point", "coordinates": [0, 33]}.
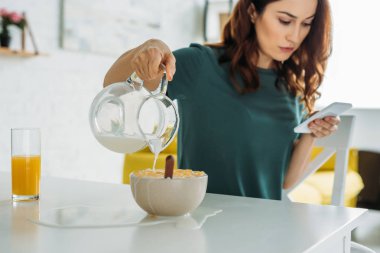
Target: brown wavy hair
{"type": "Point", "coordinates": [302, 73]}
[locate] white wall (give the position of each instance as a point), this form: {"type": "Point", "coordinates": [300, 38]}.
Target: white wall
{"type": "Point", "coordinates": [43, 16]}
{"type": "Point", "coordinates": [54, 93]}
{"type": "Point", "coordinates": [352, 73]}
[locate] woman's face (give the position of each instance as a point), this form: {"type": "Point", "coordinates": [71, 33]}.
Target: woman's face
{"type": "Point", "coordinates": [281, 28]}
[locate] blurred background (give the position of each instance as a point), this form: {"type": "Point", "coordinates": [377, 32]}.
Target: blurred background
{"type": "Point", "coordinates": [78, 40]}
{"type": "Point", "coordinates": [51, 71]}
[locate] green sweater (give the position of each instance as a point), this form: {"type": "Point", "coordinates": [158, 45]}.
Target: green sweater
{"type": "Point", "coordinates": [243, 142]}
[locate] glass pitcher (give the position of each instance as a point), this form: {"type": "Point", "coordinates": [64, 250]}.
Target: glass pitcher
{"type": "Point", "coordinates": [125, 117]}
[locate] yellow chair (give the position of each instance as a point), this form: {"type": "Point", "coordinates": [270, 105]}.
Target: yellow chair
{"type": "Point", "coordinates": [317, 188]}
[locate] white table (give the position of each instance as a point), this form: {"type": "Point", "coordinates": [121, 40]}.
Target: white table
{"type": "Point", "coordinates": [244, 225]}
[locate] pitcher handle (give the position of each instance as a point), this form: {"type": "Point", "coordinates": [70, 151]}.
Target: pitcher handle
{"type": "Point", "coordinates": [136, 82]}
{"type": "Point", "coordinates": [164, 80]}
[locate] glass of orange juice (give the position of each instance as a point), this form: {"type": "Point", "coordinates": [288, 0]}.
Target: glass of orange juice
{"type": "Point", "coordinates": [26, 163]}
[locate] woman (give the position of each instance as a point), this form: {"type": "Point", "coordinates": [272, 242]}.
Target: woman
{"type": "Point", "coordinates": [240, 99]}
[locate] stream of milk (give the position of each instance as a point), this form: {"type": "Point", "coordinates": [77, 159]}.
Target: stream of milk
{"type": "Point", "coordinates": [155, 145]}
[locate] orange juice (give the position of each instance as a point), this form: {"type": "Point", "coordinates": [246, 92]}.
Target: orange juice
{"type": "Point", "coordinates": [26, 171]}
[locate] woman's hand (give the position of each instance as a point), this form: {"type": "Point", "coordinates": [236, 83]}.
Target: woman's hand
{"type": "Point", "coordinates": [301, 153]}
{"type": "Point", "coordinates": [148, 58]}
{"type": "Point", "coordinates": [324, 127]}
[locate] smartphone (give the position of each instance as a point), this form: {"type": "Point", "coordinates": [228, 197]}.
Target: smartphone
{"type": "Point", "coordinates": [334, 109]}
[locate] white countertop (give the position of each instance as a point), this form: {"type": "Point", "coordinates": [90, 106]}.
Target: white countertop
{"type": "Point", "coordinates": [243, 225]}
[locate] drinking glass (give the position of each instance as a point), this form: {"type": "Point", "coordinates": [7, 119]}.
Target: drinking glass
{"type": "Point", "coordinates": [26, 163]}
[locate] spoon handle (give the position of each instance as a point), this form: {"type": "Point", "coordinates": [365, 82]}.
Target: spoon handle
{"type": "Point", "coordinates": [169, 166]}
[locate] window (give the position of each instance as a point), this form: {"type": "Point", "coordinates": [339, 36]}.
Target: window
{"type": "Point", "coordinates": [353, 72]}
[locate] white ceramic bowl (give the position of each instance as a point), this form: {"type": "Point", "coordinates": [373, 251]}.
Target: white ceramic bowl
{"type": "Point", "coordinates": [166, 196]}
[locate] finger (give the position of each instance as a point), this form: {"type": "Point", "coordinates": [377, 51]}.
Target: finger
{"type": "Point", "coordinates": [140, 71]}
{"type": "Point", "coordinates": [333, 120]}
{"type": "Point", "coordinates": [330, 123]}
{"type": "Point", "coordinates": [156, 56]}
{"type": "Point", "coordinates": [146, 70]}
{"type": "Point", "coordinates": [314, 127]}
{"type": "Point", "coordinates": [154, 68]}
{"type": "Point", "coordinates": [145, 61]}
{"type": "Point", "coordinates": [138, 64]}
{"type": "Point", "coordinates": [315, 133]}
{"type": "Point", "coordinates": [325, 132]}
{"type": "Point", "coordinates": [320, 133]}
{"type": "Point", "coordinates": [169, 63]}
{"type": "Point", "coordinates": [334, 128]}
{"type": "Point", "coordinates": [323, 123]}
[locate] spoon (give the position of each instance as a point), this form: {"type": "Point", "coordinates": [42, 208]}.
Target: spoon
{"type": "Point", "coordinates": [169, 166]}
